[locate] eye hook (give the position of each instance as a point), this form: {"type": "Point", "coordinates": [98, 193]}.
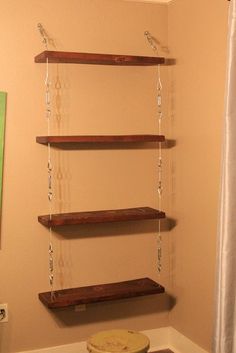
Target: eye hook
{"type": "Point", "coordinates": [43, 34]}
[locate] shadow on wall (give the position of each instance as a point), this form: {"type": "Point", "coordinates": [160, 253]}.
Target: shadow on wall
{"type": "Point", "coordinates": [121, 228]}
{"type": "Point", "coordinates": [168, 143]}
{"type": "Point", "coordinates": [120, 309]}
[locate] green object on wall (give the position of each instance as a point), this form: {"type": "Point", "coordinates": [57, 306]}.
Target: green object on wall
{"type": "Point", "coordinates": [3, 99]}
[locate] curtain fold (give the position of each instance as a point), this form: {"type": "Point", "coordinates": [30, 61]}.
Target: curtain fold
{"type": "Point", "coordinates": [225, 325]}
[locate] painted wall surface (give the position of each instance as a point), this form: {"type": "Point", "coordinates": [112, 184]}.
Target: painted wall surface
{"type": "Point", "coordinates": [152, 1]}
{"type": "Point", "coordinates": [110, 100]}
{"type": "Point", "coordinates": [197, 39]}
{"type": "Point", "coordinates": [86, 100]}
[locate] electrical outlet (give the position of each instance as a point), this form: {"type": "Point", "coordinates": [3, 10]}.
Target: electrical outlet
{"type": "Point", "coordinates": [3, 313]}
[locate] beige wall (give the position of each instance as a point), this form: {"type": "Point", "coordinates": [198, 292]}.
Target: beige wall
{"type": "Point", "coordinates": [110, 100]}
{"type": "Point", "coordinates": [94, 100]}
{"type": "Point", "coordinates": [151, 1]}
{"type": "Point", "coordinates": [197, 39]}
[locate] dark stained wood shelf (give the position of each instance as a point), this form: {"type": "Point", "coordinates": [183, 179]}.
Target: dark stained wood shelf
{"type": "Point", "coordinates": [100, 139]}
{"type": "Point", "coordinates": [129, 214]}
{"type": "Point", "coordinates": [97, 59]}
{"type": "Point", "coordinates": [163, 351]}
{"type": "Point", "coordinates": [100, 293]}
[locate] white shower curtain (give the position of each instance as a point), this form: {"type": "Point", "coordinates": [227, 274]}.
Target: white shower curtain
{"type": "Point", "coordinates": [225, 326]}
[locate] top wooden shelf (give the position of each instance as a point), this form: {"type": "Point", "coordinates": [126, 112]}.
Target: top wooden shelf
{"type": "Point", "coordinates": [96, 59]}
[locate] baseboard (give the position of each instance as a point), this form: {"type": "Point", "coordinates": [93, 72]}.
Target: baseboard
{"type": "Point", "coordinates": [161, 338]}
{"type": "Point", "coordinates": [181, 344]}
{"type": "Point", "coordinates": [168, 337]}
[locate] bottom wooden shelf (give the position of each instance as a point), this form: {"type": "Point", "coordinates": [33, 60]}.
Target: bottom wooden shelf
{"type": "Point", "coordinates": [100, 293]}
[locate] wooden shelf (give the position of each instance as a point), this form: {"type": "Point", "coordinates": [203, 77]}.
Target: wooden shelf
{"type": "Point", "coordinates": [129, 214]}
{"type": "Point", "coordinates": [100, 139]}
{"type": "Point", "coordinates": [100, 293]}
{"type": "Point", "coordinates": [97, 59]}
{"type": "Point", "coordinates": [163, 351]}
